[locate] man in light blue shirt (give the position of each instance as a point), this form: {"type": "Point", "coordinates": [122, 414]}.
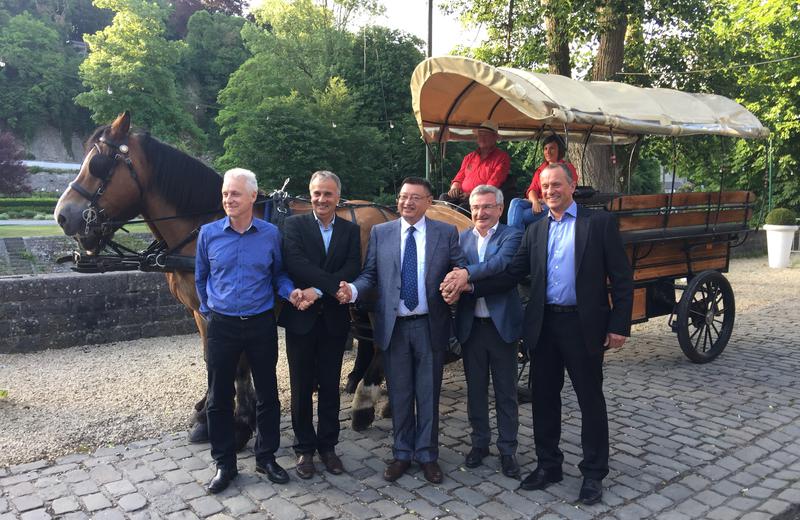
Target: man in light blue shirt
{"type": "Point", "coordinates": [238, 271]}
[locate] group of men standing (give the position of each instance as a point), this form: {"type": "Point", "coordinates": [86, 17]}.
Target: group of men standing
{"type": "Point", "coordinates": [418, 267]}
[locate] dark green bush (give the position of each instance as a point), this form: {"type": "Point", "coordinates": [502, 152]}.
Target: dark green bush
{"type": "Point", "coordinates": [781, 217]}
{"type": "Point", "coordinates": [35, 204]}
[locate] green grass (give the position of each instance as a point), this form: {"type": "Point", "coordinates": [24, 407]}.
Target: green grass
{"type": "Point", "coordinates": [47, 230]}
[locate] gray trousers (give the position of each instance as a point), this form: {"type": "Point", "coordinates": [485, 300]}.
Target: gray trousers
{"type": "Point", "coordinates": [414, 377]}
{"type": "Point", "coordinates": [485, 352]}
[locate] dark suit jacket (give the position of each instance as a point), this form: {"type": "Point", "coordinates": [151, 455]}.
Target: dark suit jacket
{"type": "Point", "coordinates": [382, 272]}
{"type": "Point", "coordinates": [308, 266]}
{"type": "Point", "coordinates": [599, 256]}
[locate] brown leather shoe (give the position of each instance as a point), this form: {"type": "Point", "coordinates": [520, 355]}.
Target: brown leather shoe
{"type": "Point", "coordinates": [332, 462]}
{"type": "Point", "coordinates": [305, 465]}
{"type": "Point", "coordinates": [432, 472]}
{"type": "Point", "coordinates": [395, 469]}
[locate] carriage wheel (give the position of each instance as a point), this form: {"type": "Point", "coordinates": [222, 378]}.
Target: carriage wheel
{"type": "Point", "coordinates": [705, 316]}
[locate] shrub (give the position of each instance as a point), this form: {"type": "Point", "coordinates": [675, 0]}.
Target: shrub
{"type": "Point", "coordinates": [13, 174]}
{"type": "Point", "coordinates": [781, 217]}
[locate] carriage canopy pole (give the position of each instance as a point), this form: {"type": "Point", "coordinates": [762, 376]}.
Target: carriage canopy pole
{"type": "Point", "coordinates": [769, 173]}
{"type": "Point", "coordinates": [430, 54]}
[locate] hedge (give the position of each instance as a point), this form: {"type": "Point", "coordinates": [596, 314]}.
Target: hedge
{"type": "Point", "coordinates": [35, 204]}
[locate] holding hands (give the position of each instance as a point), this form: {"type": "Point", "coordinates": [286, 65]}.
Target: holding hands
{"type": "Point", "coordinates": [456, 282]}
{"type": "Point", "coordinates": [344, 294]}
{"type": "Point", "coordinates": [302, 299]}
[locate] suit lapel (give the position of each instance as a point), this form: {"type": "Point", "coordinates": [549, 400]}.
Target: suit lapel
{"type": "Point", "coordinates": [470, 247]}
{"type": "Point", "coordinates": [431, 241]}
{"type": "Point", "coordinates": [394, 240]}
{"type": "Point", "coordinates": [542, 229]}
{"type": "Point", "coordinates": [336, 239]}
{"type": "Point", "coordinates": [582, 229]}
{"type": "Point", "coordinates": [313, 229]}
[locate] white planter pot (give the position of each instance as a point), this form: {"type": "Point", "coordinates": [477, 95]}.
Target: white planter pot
{"type": "Point", "coordinates": [779, 244]}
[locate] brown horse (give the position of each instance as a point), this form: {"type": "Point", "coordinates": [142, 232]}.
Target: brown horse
{"type": "Point", "coordinates": [126, 174]}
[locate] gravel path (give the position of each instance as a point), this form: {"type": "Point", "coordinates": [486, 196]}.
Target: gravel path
{"type": "Point", "coordinates": [82, 398]}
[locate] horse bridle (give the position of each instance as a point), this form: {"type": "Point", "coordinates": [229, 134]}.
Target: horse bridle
{"type": "Point", "coordinates": [102, 166]}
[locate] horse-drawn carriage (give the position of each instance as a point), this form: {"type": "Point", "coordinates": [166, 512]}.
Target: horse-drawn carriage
{"type": "Point", "coordinates": [668, 237]}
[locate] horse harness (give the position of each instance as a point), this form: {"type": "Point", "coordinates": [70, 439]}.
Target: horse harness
{"type": "Point", "coordinates": [102, 167]}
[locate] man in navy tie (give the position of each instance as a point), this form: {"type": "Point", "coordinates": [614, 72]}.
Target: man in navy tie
{"type": "Point", "coordinates": [406, 261]}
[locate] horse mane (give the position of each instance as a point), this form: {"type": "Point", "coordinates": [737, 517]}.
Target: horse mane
{"type": "Point", "coordinates": [186, 182]}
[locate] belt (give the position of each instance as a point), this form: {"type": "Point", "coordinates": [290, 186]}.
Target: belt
{"type": "Point", "coordinates": [487, 321]}
{"type": "Point", "coordinates": [411, 317]}
{"type": "Point", "coordinates": [560, 308]}
{"type": "Point", "coordinates": [243, 318]}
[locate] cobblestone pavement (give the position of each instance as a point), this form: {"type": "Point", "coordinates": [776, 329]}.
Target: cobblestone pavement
{"type": "Point", "coordinates": [716, 441]}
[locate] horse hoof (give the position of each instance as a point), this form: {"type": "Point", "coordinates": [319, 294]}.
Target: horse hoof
{"type": "Point", "coordinates": [351, 385]}
{"type": "Point", "coordinates": [199, 433]}
{"type": "Point", "coordinates": [362, 419]}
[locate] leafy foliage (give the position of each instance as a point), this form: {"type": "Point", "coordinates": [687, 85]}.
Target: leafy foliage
{"type": "Point", "coordinates": [131, 66]}
{"type": "Point", "coordinates": [37, 82]}
{"type": "Point", "coordinates": [13, 174]}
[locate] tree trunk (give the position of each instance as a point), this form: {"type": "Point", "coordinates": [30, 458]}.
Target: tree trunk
{"type": "Point", "coordinates": [557, 39]}
{"type": "Point", "coordinates": [598, 169]}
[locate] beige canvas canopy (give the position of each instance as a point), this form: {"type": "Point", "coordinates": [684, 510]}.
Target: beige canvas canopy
{"type": "Point", "coordinates": [452, 95]}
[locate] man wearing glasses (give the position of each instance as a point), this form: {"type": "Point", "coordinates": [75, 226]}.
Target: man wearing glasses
{"type": "Point", "coordinates": [407, 259]}
{"type": "Point", "coordinates": [488, 329]}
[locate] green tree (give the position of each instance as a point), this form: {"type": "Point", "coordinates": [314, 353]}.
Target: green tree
{"type": "Point", "coordinates": [37, 81]}
{"type": "Point", "coordinates": [130, 66]}
{"type": "Point", "coordinates": [214, 51]}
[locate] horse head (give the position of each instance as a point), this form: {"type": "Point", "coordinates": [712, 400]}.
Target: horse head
{"type": "Point", "coordinates": [109, 188]}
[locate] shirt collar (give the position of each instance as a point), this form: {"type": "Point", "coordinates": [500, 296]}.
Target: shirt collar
{"type": "Point", "coordinates": [319, 222]}
{"type": "Point", "coordinates": [226, 224]}
{"type": "Point", "coordinates": [489, 233]}
{"type": "Point", "coordinates": [419, 226]}
{"type": "Point", "coordinates": [572, 211]}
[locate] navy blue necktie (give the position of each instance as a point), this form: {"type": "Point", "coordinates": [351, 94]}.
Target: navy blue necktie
{"type": "Point", "coordinates": [408, 274]}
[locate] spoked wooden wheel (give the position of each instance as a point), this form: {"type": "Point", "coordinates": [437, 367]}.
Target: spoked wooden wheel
{"type": "Point", "coordinates": [705, 316]}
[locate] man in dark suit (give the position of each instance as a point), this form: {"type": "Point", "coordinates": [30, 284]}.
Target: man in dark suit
{"type": "Point", "coordinates": [568, 323]}
{"type": "Point", "coordinates": [488, 329]}
{"type": "Point", "coordinates": [406, 261]}
{"type": "Point", "coordinates": [319, 250]}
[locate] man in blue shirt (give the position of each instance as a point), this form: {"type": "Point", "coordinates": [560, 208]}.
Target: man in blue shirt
{"type": "Point", "coordinates": [569, 323]}
{"type": "Point", "coordinates": [238, 271]}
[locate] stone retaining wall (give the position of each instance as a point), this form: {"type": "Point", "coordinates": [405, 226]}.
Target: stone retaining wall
{"type": "Point", "coordinates": [64, 310]}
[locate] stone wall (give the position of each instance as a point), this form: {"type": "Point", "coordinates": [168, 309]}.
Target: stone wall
{"type": "Point", "coordinates": [64, 310]}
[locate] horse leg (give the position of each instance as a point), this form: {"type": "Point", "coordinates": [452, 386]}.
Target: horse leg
{"type": "Point", "coordinates": [199, 430]}
{"type": "Point", "coordinates": [364, 356]}
{"type": "Point", "coordinates": [244, 415]}
{"type": "Point", "coordinates": [367, 394]}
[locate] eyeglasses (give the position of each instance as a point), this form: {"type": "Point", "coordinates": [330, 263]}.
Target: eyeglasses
{"type": "Point", "coordinates": [412, 198]}
{"type": "Point", "coordinates": [483, 207]}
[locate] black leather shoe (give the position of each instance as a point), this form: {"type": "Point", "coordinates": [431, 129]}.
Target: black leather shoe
{"type": "Point", "coordinates": [222, 478]}
{"type": "Point", "coordinates": [273, 471]}
{"type": "Point", "coordinates": [540, 479]}
{"type": "Point", "coordinates": [475, 457]}
{"type": "Point", "coordinates": [591, 491]}
{"type": "Point", "coordinates": [510, 466]}
{"type": "Point", "coordinates": [305, 466]}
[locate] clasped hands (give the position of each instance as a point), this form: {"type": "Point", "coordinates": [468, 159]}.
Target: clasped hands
{"type": "Point", "coordinates": [302, 299]}
{"type": "Point", "coordinates": [456, 282]}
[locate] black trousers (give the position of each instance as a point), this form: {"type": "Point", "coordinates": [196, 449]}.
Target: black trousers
{"type": "Point", "coordinates": [315, 358]}
{"type": "Point", "coordinates": [561, 346]}
{"type": "Point", "coordinates": [228, 338]}
{"type": "Point", "coordinates": [485, 352]}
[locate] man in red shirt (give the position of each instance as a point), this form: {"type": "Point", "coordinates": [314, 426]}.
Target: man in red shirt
{"type": "Point", "coordinates": [486, 165]}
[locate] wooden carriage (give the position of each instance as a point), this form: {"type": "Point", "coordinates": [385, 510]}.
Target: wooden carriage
{"type": "Point", "coordinates": [679, 244]}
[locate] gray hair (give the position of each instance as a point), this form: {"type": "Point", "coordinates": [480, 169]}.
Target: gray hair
{"type": "Point", "coordinates": [486, 188]}
{"type": "Point", "coordinates": [562, 167]}
{"type": "Point", "coordinates": [240, 173]}
{"type": "Point", "coordinates": [325, 174]}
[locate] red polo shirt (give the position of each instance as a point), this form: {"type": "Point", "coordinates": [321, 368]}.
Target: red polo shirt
{"type": "Point", "coordinates": [493, 170]}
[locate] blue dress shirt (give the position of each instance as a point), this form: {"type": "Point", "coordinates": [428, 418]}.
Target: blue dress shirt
{"type": "Point", "coordinates": [237, 274]}
{"type": "Point", "coordinates": [561, 258]}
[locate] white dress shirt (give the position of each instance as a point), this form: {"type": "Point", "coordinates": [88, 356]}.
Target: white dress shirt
{"type": "Point", "coordinates": [481, 309]}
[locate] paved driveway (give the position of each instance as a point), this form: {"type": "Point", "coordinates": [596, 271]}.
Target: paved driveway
{"type": "Point", "coordinates": [715, 441]}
